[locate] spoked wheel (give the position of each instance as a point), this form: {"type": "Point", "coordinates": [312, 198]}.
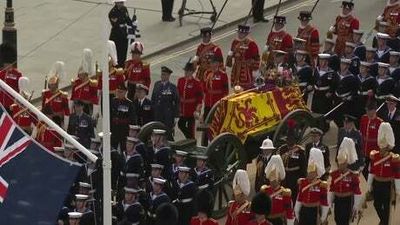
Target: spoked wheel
{"type": "Point", "coordinates": [304, 121]}
{"type": "Point", "coordinates": [145, 132]}
{"type": "Point", "coordinates": [207, 121]}
{"type": "Point", "coordinates": [225, 155]}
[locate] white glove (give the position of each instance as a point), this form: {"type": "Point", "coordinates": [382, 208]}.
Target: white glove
{"type": "Point", "coordinates": [230, 53]}
{"type": "Point", "coordinates": [332, 29]}
{"type": "Point", "coordinates": [289, 221]}
{"type": "Point", "coordinates": [194, 59]}
{"type": "Point", "coordinates": [369, 182]}
{"type": "Point", "coordinates": [379, 18]}
{"type": "Point", "coordinates": [66, 121]}
{"type": "Point", "coordinates": [324, 212]}
{"type": "Point", "coordinates": [357, 202]}
{"type": "Point", "coordinates": [397, 185]}
{"type": "Point", "coordinates": [176, 120]}
{"type": "Point", "coordinates": [34, 132]}
{"type": "Point", "coordinates": [130, 36]}
{"type": "Point", "coordinates": [96, 111]}
{"type": "Point", "coordinates": [297, 208]}
{"type": "Point", "coordinates": [265, 48]}
{"type": "Point", "coordinates": [331, 198]}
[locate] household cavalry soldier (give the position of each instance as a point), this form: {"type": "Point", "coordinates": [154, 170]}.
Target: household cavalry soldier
{"type": "Point", "coordinates": [384, 169]}
{"type": "Point", "coordinates": [267, 149]}
{"type": "Point", "coordinates": [367, 88]}
{"type": "Point", "coordinates": [129, 209]}
{"type": "Point", "coordinates": [46, 135]}
{"type": "Point", "coordinates": [165, 99]}
{"type": "Point", "coordinates": [20, 114]}
{"type": "Point", "coordinates": [344, 188]}
{"type": "Point", "coordinates": [309, 33]}
{"type": "Point", "coordinates": [294, 160]}
{"type": "Point", "coordinates": [304, 75]}
{"type": "Point", "coordinates": [359, 49]}
{"type": "Point", "coordinates": [239, 209]}
{"type": "Point", "coordinates": [84, 88]}
{"type": "Point", "coordinates": [205, 52]}
{"type": "Point", "coordinates": [53, 98]}
{"type": "Point", "coordinates": [278, 39]}
{"type": "Point", "coordinates": [260, 208]}
{"type": "Point", "coordinates": [136, 70]}
{"type": "Point", "coordinates": [316, 136]}
{"type": "Point", "coordinates": [281, 210]}
{"type": "Point", "coordinates": [201, 175]}
{"type": "Point", "coordinates": [161, 153]}
{"type": "Point", "coordinates": [244, 52]}
{"type": "Point", "coordinates": [215, 84]}
{"type": "Point", "coordinates": [184, 193]}
{"type": "Point", "coordinates": [122, 115]}
{"type": "Point", "coordinates": [391, 15]}
{"type": "Point", "coordinates": [386, 84]}
{"type": "Point", "coordinates": [344, 25]}
{"type": "Point", "coordinates": [312, 192]}
{"type": "Point", "coordinates": [382, 50]}
{"type": "Point", "coordinates": [157, 198]}
{"type": "Point", "coordinates": [204, 205]}
{"type": "Point", "coordinates": [354, 67]}
{"type": "Point", "coordinates": [326, 81]}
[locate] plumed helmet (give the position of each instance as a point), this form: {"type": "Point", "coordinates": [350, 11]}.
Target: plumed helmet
{"type": "Point", "coordinates": [112, 52]}
{"type": "Point", "coordinates": [23, 84]}
{"type": "Point", "coordinates": [316, 162]}
{"type": "Point", "coordinates": [241, 182]}
{"type": "Point", "coordinates": [347, 151]}
{"type": "Point", "coordinates": [385, 136]}
{"type": "Point", "coordinates": [57, 72]}
{"type": "Point", "coordinates": [87, 64]}
{"type": "Point", "coordinates": [275, 168]}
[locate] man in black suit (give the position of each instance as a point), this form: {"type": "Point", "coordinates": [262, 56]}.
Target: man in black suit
{"type": "Point", "coordinates": [143, 106]}
{"type": "Point", "coordinates": [258, 11]}
{"type": "Point", "coordinates": [391, 114]}
{"type": "Point", "coordinates": [81, 125]}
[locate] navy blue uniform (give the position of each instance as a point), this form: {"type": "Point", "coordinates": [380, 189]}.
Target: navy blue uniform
{"type": "Point", "coordinates": [82, 127]}
{"type": "Point", "coordinates": [204, 179]}
{"type": "Point", "coordinates": [144, 111]}
{"type": "Point", "coordinates": [119, 18]}
{"type": "Point", "coordinates": [134, 213]}
{"type": "Point", "coordinates": [366, 84]}
{"type": "Point", "coordinates": [184, 201]}
{"type": "Point", "coordinates": [326, 82]}
{"type": "Point", "coordinates": [334, 60]}
{"type": "Point", "coordinates": [346, 92]}
{"type": "Point", "coordinates": [154, 202]}
{"type": "Point", "coordinates": [355, 65]}
{"type": "Point", "coordinates": [306, 78]}
{"type": "Point", "coordinates": [162, 156]}
{"type": "Point", "coordinates": [383, 56]}
{"type": "Point", "coordinates": [360, 51]}
{"type": "Point", "coordinates": [386, 87]}
{"type": "Point", "coordinates": [122, 113]}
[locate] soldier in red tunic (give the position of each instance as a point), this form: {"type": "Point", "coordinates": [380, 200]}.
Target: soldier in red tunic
{"type": "Point", "coordinates": [369, 125]}
{"type": "Point", "coordinates": [205, 204]}
{"type": "Point", "coordinates": [53, 98]}
{"type": "Point", "coordinates": [384, 169]}
{"type": "Point", "coordinates": [261, 207]}
{"type": "Point", "coordinates": [344, 189]}
{"type": "Point", "coordinates": [215, 84]}
{"type": "Point", "coordinates": [239, 209]}
{"type": "Point", "coordinates": [191, 98]}
{"type": "Point", "coordinates": [309, 33]}
{"type": "Point", "coordinates": [83, 87]}
{"type": "Point", "coordinates": [21, 115]}
{"type": "Point", "coordinates": [46, 135]}
{"type": "Point", "coordinates": [278, 39]}
{"type": "Point", "coordinates": [244, 51]}
{"type": "Point", "coordinates": [391, 15]}
{"type": "Point", "coordinates": [282, 206]}
{"type": "Point", "coordinates": [205, 52]}
{"type": "Point", "coordinates": [136, 70]}
{"type": "Point", "coordinates": [344, 25]}
{"type": "Point", "coordinates": [312, 192]}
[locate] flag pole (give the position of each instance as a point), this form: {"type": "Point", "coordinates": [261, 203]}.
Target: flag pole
{"type": "Point", "coordinates": [48, 121]}
{"type": "Point", "coordinates": [107, 214]}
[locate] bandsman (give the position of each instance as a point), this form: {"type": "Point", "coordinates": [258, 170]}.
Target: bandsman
{"type": "Point", "coordinates": [382, 50]}
{"type": "Point", "coordinates": [81, 124]}
{"type": "Point", "coordinates": [312, 192]}
{"type": "Point", "coordinates": [244, 51]}
{"type": "Point", "coordinates": [391, 15]}
{"type": "Point", "coordinates": [20, 114]}
{"type": "Point", "coordinates": [201, 175]}
{"type": "Point", "coordinates": [239, 209]}
{"type": "Point", "coordinates": [309, 33]}
{"type": "Point", "coordinates": [204, 205]}
{"type": "Point", "coordinates": [267, 149]}
{"type": "Point", "coordinates": [384, 169]}
{"type": "Point", "coordinates": [261, 208]}
{"type": "Point", "coordinates": [316, 136]}
{"type": "Point", "coordinates": [84, 88]}
{"type": "Point", "coordinates": [143, 105]}
{"type": "Point", "coordinates": [136, 70]}
{"type": "Point", "coordinates": [386, 84]}
{"type": "Point", "coordinates": [344, 25]}
{"type": "Point", "coordinates": [344, 188]}
{"type": "Point", "coordinates": [205, 52]}
{"type": "Point", "coordinates": [359, 49]}
{"type": "Point", "coordinates": [367, 88]}
{"type": "Point", "coordinates": [191, 98]}
{"type": "Point", "coordinates": [157, 197]}
{"type": "Point", "coordinates": [161, 152]}
{"type": "Point", "coordinates": [281, 207]}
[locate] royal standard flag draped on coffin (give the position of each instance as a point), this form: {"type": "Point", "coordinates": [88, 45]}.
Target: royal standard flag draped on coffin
{"type": "Point", "coordinates": [253, 111]}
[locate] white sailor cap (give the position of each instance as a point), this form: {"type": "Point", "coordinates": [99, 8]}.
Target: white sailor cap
{"type": "Point", "coordinates": [58, 149]}
{"type": "Point", "coordinates": [296, 39]}
{"type": "Point", "coordinates": [132, 139]}
{"type": "Point", "coordinates": [134, 127]}
{"type": "Point", "coordinates": [279, 52]}
{"type": "Point", "coordinates": [131, 175]}
{"type": "Point", "coordinates": [202, 157]}
{"type": "Point", "coordinates": [370, 49]}
{"type": "Point", "coordinates": [159, 181]}
{"type": "Point", "coordinates": [394, 53]}
{"type": "Point", "coordinates": [81, 197]}
{"type": "Point", "coordinates": [364, 63]}
{"type": "Point", "coordinates": [183, 169]}
{"type": "Point", "coordinates": [350, 44]}
{"type": "Point", "coordinates": [382, 35]}
{"type": "Point", "coordinates": [75, 215]}
{"type": "Point", "coordinates": [330, 40]}
{"type": "Point", "coordinates": [357, 31]}
{"type": "Point", "coordinates": [85, 185]}
{"type": "Point", "coordinates": [131, 190]}
{"type": "Point", "coordinates": [302, 52]}
{"type": "Point", "coordinates": [384, 65]}
{"type": "Point", "coordinates": [324, 56]}
{"type": "Point", "coordinates": [159, 131]}
{"type": "Point", "coordinates": [157, 166]}
{"type": "Point", "coordinates": [181, 153]}
{"type": "Point", "coordinates": [346, 61]}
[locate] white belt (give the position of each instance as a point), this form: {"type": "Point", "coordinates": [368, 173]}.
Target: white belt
{"type": "Point", "coordinates": [152, 215]}
{"type": "Point", "coordinates": [303, 84]}
{"type": "Point", "coordinates": [132, 174]}
{"type": "Point", "coordinates": [363, 92]}
{"type": "Point", "coordinates": [204, 186]}
{"type": "Point", "coordinates": [325, 88]}
{"type": "Point", "coordinates": [381, 96]}
{"type": "Point", "coordinates": [186, 200]}
{"type": "Point", "coordinates": [343, 95]}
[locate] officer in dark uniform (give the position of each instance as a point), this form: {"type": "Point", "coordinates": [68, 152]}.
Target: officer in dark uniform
{"type": "Point", "coordinates": [304, 74]}
{"type": "Point", "coordinates": [143, 106]}
{"type": "Point", "coordinates": [386, 84]}
{"type": "Point", "coordinates": [326, 81]}
{"type": "Point", "coordinates": [334, 60]}
{"type": "Point", "coordinates": [161, 152]}
{"type": "Point", "coordinates": [346, 92]}
{"type": "Point", "coordinates": [367, 88]}
{"type": "Point", "coordinates": [184, 193]}
{"type": "Point", "coordinates": [165, 100]}
{"type": "Point", "coordinates": [391, 114]}
{"type": "Point", "coordinates": [360, 49]}
{"type": "Point", "coordinates": [81, 125]}
{"type": "Point", "coordinates": [316, 142]}
{"type": "Point", "coordinates": [349, 54]}
{"type": "Point", "coordinates": [119, 19]}
{"type": "Point", "coordinates": [122, 114]}
{"type": "Point", "coordinates": [156, 198]}
{"type": "Point", "coordinates": [294, 160]}
{"type": "Point", "coordinates": [129, 209]}
{"type": "Point", "coordinates": [201, 175]}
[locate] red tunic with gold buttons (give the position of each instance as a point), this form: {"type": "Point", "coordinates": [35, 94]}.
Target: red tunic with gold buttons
{"type": "Point", "coordinates": [85, 91]}
{"type": "Point", "coordinates": [391, 15]}
{"type": "Point", "coordinates": [369, 132]}
{"type": "Point", "coordinates": [48, 137]}
{"type": "Point", "coordinates": [238, 213]}
{"type": "Point", "coordinates": [137, 72]}
{"type": "Point", "coordinates": [247, 59]}
{"type": "Point", "coordinates": [254, 222]}
{"type": "Point", "coordinates": [313, 193]}
{"type": "Point", "coordinates": [205, 51]}
{"type": "Point", "coordinates": [196, 221]}
{"type": "Point", "coordinates": [280, 40]}
{"type": "Point", "coordinates": [311, 35]}
{"type": "Point", "coordinates": [387, 166]}
{"type": "Point", "coordinates": [22, 116]}
{"type": "Point", "coordinates": [57, 101]}
{"type": "Point", "coordinates": [190, 95]}
{"type": "Point", "coordinates": [344, 31]}
{"type": "Point", "coordinates": [215, 87]}
{"type": "Point", "coordinates": [281, 202]}
{"type": "Point", "coordinates": [116, 78]}
{"type": "Point", "coordinates": [10, 77]}
{"type": "Point", "coordinates": [345, 182]}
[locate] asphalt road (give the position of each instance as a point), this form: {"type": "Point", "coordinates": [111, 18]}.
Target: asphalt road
{"type": "Point", "coordinates": [323, 17]}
